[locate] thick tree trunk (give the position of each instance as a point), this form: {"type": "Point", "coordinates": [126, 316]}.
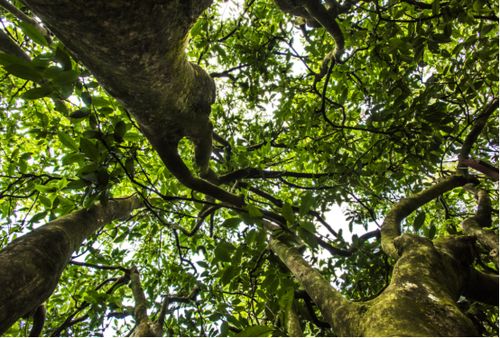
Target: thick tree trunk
{"type": "Point", "coordinates": [32, 264]}
{"type": "Point", "coordinates": [135, 49]}
{"type": "Point", "coordinates": [420, 300]}
{"type": "Point", "coordinates": [427, 281]}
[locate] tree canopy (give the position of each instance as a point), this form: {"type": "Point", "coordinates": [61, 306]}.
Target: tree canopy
{"type": "Point", "coordinates": [170, 167]}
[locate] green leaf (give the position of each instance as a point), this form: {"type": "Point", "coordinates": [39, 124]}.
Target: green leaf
{"type": "Point", "coordinates": [432, 231]}
{"type": "Point", "coordinates": [33, 33]}
{"type": "Point", "coordinates": [89, 148]}
{"type": "Point", "coordinates": [287, 212]}
{"type": "Point", "coordinates": [24, 71]}
{"type": "Point", "coordinates": [231, 223]}
{"type": "Point", "coordinates": [120, 130]}
{"type": "Point", "coordinates": [36, 93]}
{"type": "Point", "coordinates": [38, 217]}
{"type": "Point", "coordinates": [64, 78]}
{"type": "Point", "coordinates": [253, 211]}
{"type": "Point", "coordinates": [229, 273]}
{"type": "Point", "coordinates": [76, 185]}
{"type": "Point", "coordinates": [308, 226]}
{"type": "Point", "coordinates": [256, 331]}
{"type": "Point", "coordinates": [286, 299]}
{"type": "Point", "coordinates": [86, 98]}
{"type": "Point", "coordinates": [45, 188]}
{"type": "Point", "coordinates": [80, 113]}
{"type": "Point", "coordinates": [130, 166]}
{"type": "Point", "coordinates": [62, 57]}
{"type": "Point", "coordinates": [7, 59]}
{"type": "Point", "coordinates": [435, 7]}
{"type": "Point", "coordinates": [306, 203]}
{"type": "Point", "coordinates": [67, 140]}
{"type": "Point", "coordinates": [308, 237]}
{"type": "Point", "coordinates": [223, 252]}
{"type": "Point", "coordinates": [72, 158]}
{"type": "Point", "coordinates": [419, 221]}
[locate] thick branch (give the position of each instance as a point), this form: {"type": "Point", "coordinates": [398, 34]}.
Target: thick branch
{"type": "Point", "coordinates": [141, 304]}
{"type": "Point", "coordinates": [292, 322]}
{"type": "Point", "coordinates": [391, 228]}
{"type": "Point", "coordinates": [144, 326]}
{"type": "Point", "coordinates": [136, 50]}
{"type": "Point", "coordinates": [25, 18]}
{"type": "Point", "coordinates": [481, 166]}
{"type": "Point", "coordinates": [482, 287]}
{"type": "Point", "coordinates": [334, 307]}
{"type": "Point", "coordinates": [319, 12]}
{"type": "Point", "coordinates": [8, 46]}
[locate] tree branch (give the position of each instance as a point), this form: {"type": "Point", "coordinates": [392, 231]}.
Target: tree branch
{"type": "Point", "coordinates": [331, 303]}
{"type": "Point", "coordinates": [391, 228]}
{"type": "Point", "coordinates": [474, 226]}
{"type": "Point", "coordinates": [477, 127]}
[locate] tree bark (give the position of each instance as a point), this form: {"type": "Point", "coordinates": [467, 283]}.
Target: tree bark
{"type": "Point", "coordinates": [135, 49]}
{"type": "Point", "coordinates": [32, 264]}
{"type": "Point", "coordinates": [391, 228]}
{"type": "Point", "coordinates": [475, 225]}
{"type": "Point", "coordinates": [292, 322]}
{"type": "Point", "coordinates": [426, 282]}
{"type": "Point", "coordinates": [144, 326]}
{"type": "Point", "coordinates": [342, 315]}
{"type": "Point", "coordinates": [421, 299]}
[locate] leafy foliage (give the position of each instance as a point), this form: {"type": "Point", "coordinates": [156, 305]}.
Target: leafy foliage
{"type": "Point", "coordinates": [384, 123]}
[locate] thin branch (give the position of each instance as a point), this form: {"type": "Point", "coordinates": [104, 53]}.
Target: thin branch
{"type": "Point", "coordinates": [25, 18]}
{"type": "Point", "coordinates": [101, 267]}
{"type": "Point", "coordinates": [249, 173]}
{"type": "Point", "coordinates": [477, 128]}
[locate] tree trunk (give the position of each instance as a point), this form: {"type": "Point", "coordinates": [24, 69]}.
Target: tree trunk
{"type": "Point", "coordinates": [32, 264]}
{"type": "Point", "coordinates": [420, 300]}
{"type": "Point", "coordinates": [426, 282]}
{"type": "Point", "coordinates": [135, 49]}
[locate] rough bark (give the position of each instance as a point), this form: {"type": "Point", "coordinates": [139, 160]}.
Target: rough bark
{"type": "Point", "coordinates": [427, 281]}
{"type": "Point", "coordinates": [32, 264]}
{"type": "Point", "coordinates": [477, 127]}
{"type": "Point", "coordinates": [292, 324]}
{"type": "Point", "coordinates": [475, 225]}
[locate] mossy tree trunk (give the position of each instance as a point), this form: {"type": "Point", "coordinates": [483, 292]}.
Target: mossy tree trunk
{"type": "Point", "coordinates": [427, 280]}
{"type": "Point", "coordinates": [136, 50]}
{"type": "Point", "coordinates": [32, 264]}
